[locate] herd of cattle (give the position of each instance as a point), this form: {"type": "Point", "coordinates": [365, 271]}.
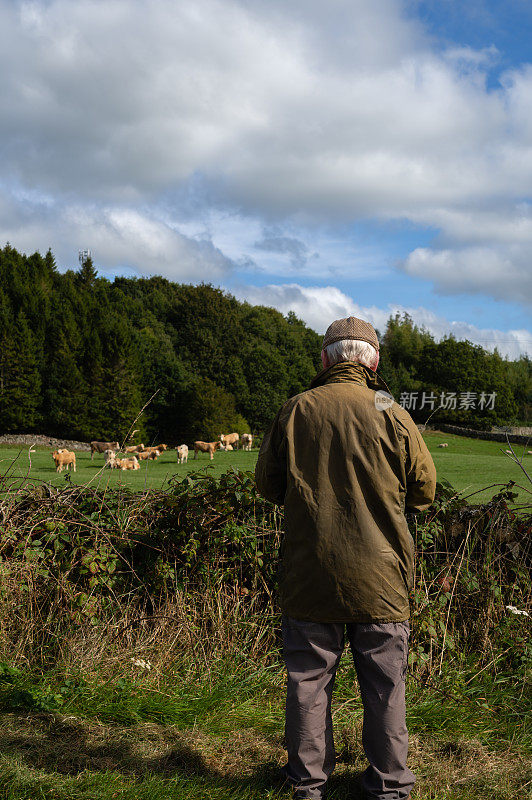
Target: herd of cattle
{"type": "Point", "coordinates": [134, 454]}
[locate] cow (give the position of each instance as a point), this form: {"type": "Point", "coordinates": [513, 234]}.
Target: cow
{"type": "Point", "coordinates": [226, 447]}
{"type": "Point", "coordinates": [110, 458]}
{"type": "Point", "coordinates": [230, 438]}
{"type": "Point", "coordinates": [443, 444]}
{"type": "Point", "coordinates": [127, 463]}
{"type": "Point", "coordinates": [134, 448]}
{"type": "Point", "coordinates": [144, 456]}
{"type": "Point", "coordinates": [206, 447]}
{"type": "Point", "coordinates": [64, 458]}
{"type": "Point", "coordinates": [182, 453]}
{"type": "Point", "coordinates": [159, 448]}
{"type": "Point", "coordinates": [101, 447]}
{"type": "Point", "coordinates": [246, 441]}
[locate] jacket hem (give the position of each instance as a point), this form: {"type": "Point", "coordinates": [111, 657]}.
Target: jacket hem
{"type": "Point", "coordinates": [343, 620]}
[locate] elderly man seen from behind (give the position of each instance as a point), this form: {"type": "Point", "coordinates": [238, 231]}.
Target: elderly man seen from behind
{"type": "Point", "coordinates": [346, 461]}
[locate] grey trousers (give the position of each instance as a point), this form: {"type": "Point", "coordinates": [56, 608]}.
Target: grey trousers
{"type": "Point", "coordinates": [312, 652]}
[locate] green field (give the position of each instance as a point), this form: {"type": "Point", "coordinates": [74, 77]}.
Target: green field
{"type": "Point", "coordinates": [468, 464]}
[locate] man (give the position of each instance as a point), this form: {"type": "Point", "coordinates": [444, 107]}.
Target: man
{"type": "Point", "coordinates": [346, 461]}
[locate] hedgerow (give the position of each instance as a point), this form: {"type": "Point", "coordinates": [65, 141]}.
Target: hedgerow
{"type": "Point", "coordinates": [76, 559]}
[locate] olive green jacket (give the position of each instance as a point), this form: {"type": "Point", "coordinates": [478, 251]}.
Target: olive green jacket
{"type": "Point", "coordinates": [345, 470]}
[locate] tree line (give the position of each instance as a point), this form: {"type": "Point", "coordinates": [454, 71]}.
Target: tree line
{"type": "Point", "coordinates": [81, 355]}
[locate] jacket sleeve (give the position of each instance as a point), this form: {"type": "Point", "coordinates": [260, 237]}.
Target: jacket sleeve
{"type": "Point", "coordinates": [270, 471]}
{"type": "Point", "coordinates": [419, 466]}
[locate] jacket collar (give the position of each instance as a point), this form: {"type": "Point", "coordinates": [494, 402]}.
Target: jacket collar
{"type": "Point", "coordinates": [349, 372]}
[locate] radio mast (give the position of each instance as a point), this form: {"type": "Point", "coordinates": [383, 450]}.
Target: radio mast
{"type": "Point", "coordinates": [84, 255]}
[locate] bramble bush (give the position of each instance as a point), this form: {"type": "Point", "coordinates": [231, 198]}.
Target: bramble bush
{"type": "Point", "coordinates": [77, 557]}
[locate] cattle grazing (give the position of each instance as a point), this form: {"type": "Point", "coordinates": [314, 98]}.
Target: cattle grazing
{"type": "Point", "coordinates": [159, 448]}
{"type": "Point", "coordinates": [206, 447]}
{"type": "Point", "coordinates": [127, 463]}
{"type": "Point", "coordinates": [230, 438]}
{"type": "Point", "coordinates": [443, 444]}
{"type": "Point", "coordinates": [246, 441]}
{"type": "Point", "coordinates": [148, 454]}
{"type": "Point", "coordinates": [182, 453]}
{"type": "Point", "coordinates": [64, 458]}
{"type": "Point", "coordinates": [101, 447]}
{"type": "Point", "coordinates": [134, 448]}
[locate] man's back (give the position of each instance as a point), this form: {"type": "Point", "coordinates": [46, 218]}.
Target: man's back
{"type": "Point", "coordinates": [344, 469]}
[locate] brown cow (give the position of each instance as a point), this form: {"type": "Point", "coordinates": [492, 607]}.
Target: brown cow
{"type": "Point", "coordinates": [127, 463]}
{"type": "Point", "coordinates": [101, 447]}
{"type": "Point", "coordinates": [230, 438]}
{"type": "Point", "coordinates": [159, 448]}
{"type": "Point", "coordinates": [134, 448]}
{"type": "Point", "coordinates": [206, 447]}
{"type": "Point", "coordinates": [64, 458]}
{"type": "Point", "coordinates": [153, 454]}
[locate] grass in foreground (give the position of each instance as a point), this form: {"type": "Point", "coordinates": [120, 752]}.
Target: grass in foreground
{"type": "Point", "coordinates": [193, 737]}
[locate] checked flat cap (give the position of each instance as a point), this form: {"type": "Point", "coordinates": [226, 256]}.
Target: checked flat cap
{"type": "Point", "coordinates": [350, 328]}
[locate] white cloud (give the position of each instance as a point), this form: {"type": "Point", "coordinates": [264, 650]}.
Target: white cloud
{"type": "Point", "coordinates": [468, 57]}
{"type": "Point", "coordinates": [118, 236]}
{"type": "Point", "coordinates": [319, 306]}
{"type": "Point", "coordinates": [305, 111]}
{"type": "Point", "coordinates": [503, 272]}
{"type": "Point", "coordinates": [281, 107]}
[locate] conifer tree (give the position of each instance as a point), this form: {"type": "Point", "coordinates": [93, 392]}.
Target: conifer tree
{"type": "Point", "coordinates": [66, 393]}
{"type": "Point", "coordinates": [20, 381]}
{"type": "Point", "coordinates": [87, 273]}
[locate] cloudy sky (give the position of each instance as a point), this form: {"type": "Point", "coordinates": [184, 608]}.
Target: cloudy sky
{"type": "Point", "coordinates": [326, 156]}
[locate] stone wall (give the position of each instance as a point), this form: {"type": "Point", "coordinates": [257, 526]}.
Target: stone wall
{"type": "Point", "coordinates": [513, 431]}
{"type": "Point", "coordinates": [487, 435]}
{"type": "Point", "coordinates": [27, 439]}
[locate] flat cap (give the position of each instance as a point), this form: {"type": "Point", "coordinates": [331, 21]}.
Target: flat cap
{"type": "Point", "coordinates": [350, 328]}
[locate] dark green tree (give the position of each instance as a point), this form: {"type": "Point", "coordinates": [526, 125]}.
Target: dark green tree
{"type": "Point", "coordinates": [87, 274]}
{"type": "Point", "coordinates": [20, 382]}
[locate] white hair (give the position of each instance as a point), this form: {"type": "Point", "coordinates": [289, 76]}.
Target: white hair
{"type": "Point", "coordinates": [351, 350]}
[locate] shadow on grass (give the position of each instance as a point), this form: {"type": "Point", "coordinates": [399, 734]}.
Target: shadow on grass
{"type": "Point", "coordinates": [69, 747]}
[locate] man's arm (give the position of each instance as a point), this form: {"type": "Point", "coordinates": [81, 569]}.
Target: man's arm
{"type": "Point", "coordinates": [420, 469]}
{"type": "Point", "coordinates": [270, 471]}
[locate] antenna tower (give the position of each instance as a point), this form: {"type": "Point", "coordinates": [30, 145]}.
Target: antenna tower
{"type": "Point", "coordinates": [84, 255]}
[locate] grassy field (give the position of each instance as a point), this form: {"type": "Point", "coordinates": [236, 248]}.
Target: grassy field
{"type": "Point", "coordinates": [219, 737]}
{"type": "Point", "coordinates": [468, 464]}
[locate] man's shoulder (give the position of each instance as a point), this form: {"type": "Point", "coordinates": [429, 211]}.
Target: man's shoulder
{"type": "Point", "coordinates": [402, 416]}
{"type": "Point", "coordinates": [295, 400]}
{"type": "Point", "coordinates": [306, 398]}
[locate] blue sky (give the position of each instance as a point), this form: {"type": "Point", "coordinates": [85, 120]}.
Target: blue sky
{"type": "Point", "coordinates": [506, 26]}
{"type": "Point", "coordinates": [350, 157]}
